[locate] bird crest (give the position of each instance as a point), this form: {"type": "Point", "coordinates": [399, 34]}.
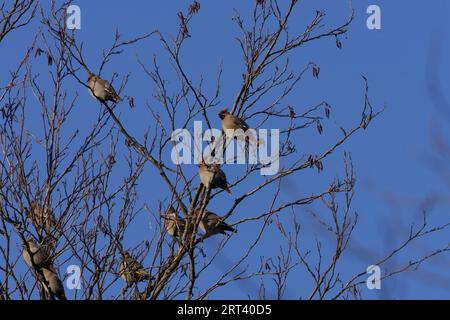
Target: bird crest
{"type": "Point", "coordinates": [223, 113]}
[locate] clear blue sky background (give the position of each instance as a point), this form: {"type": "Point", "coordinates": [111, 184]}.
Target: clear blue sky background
{"type": "Point", "coordinates": [396, 179]}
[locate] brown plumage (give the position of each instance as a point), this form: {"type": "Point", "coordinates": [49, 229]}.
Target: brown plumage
{"type": "Point", "coordinates": [38, 257]}
{"type": "Point", "coordinates": [32, 252]}
{"type": "Point", "coordinates": [53, 285]}
{"type": "Point", "coordinates": [173, 223]}
{"type": "Point", "coordinates": [131, 270]}
{"type": "Point", "coordinates": [41, 217]}
{"type": "Point", "coordinates": [102, 89]}
{"type": "Point", "coordinates": [231, 122]}
{"type": "Point", "coordinates": [212, 224]}
{"type": "Point", "coordinates": [211, 175]}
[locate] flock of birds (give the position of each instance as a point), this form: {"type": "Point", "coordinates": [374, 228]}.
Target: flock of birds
{"type": "Point", "coordinates": [39, 258]}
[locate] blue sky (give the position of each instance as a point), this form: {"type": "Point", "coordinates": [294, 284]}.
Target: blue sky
{"type": "Point", "coordinates": [396, 179]}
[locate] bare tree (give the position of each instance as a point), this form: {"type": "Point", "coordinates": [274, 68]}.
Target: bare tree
{"type": "Point", "coordinates": [75, 192]}
{"type": "Point", "coordinates": [15, 15]}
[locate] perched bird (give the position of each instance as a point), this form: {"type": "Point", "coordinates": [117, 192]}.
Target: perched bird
{"type": "Point", "coordinates": [101, 89]}
{"type": "Point", "coordinates": [174, 224]}
{"type": "Point", "coordinates": [212, 176]}
{"type": "Point", "coordinates": [231, 122]}
{"type": "Point", "coordinates": [212, 224]}
{"type": "Point", "coordinates": [131, 270]}
{"type": "Point", "coordinates": [32, 252]}
{"type": "Point", "coordinates": [41, 217]}
{"type": "Point", "coordinates": [53, 285]}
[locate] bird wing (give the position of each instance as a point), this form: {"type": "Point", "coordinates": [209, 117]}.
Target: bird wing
{"type": "Point", "coordinates": [239, 123]}
{"type": "Point", "coordinates": [181, 224]}
{"type": "Point", "coordinates": [109, 89]}
{"type": "Point", "coordinates": [212, 219]}
{"type": "Point", "coordinates": [212, 168]}
{"type": "Point", "coordinates": [221, 175]}
{"type": "Point", "coordinates": [134, 264]}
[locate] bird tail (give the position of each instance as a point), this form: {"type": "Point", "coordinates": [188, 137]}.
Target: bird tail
{"type": "Point", "coordinates": [228, 228]}
{"type": "Point", "coordinates": [144, 275]}
{"type": "Point", "coordinates": [115, 98]}
{"type": "Point", "coordinates": [227, 189]}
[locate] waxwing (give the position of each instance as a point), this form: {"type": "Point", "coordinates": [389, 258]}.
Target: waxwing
{"type": "Point", "coordinates": [212, 176]}
{"type": "Point", "coordinates": [231, 122]}
{"type": "Point", "coordinates": [131, 270]}
{"type": "Point", "coordinates": [32, 252]}
{"type": "Point", "coordinates": [53, 284]}
{"type": "Point", "coordinates": [173, 223]}
{"type": "Point", "coordinates": [212, 224]}
{"type": "Point", "coordinates": [101, 89]}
